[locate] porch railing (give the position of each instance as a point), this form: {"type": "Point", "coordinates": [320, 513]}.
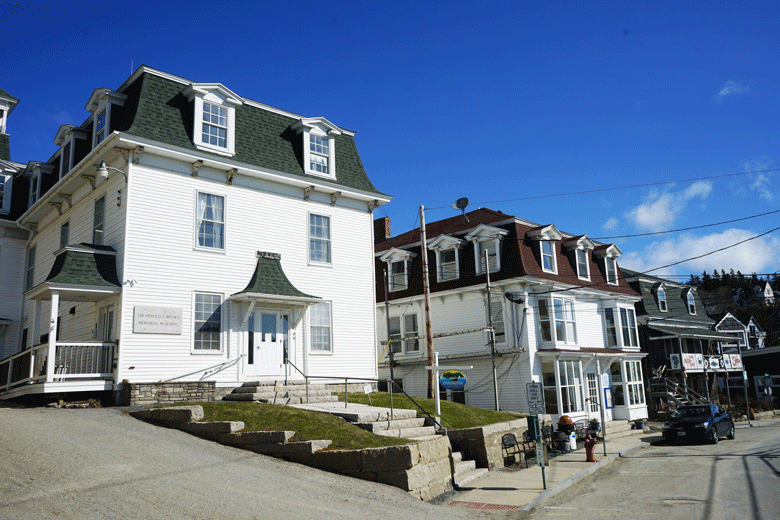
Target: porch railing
{"type": "Point", "coordinates": [72, 361]}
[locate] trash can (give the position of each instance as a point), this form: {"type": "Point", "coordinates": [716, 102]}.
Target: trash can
{"type": "Point", "coordinates": [572, 441]}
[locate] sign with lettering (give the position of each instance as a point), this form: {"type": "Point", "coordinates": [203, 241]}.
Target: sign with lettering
{"type": "Point", "coordinates": [452, 380]}
{"type": "Point", "coordinates": [533, 392]}
{"type": "Point", "coordinates": [157, 320]}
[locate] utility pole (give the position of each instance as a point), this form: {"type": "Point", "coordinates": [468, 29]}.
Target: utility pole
{"type": "Point", "coordinates": [387, 321]}
{"type": "Point", "coordinates": [491, 332]}
{"type": "Point", "coordinates": [427, 292]}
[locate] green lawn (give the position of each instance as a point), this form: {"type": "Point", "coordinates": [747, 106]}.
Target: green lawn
{"type": "Point", "coordinates": [309, 425]}
{"type": "Point", "coordinates": [454, 416]}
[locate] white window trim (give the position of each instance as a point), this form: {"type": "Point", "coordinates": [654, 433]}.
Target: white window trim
{"type": "Point", "coordinates": [628, 326]}
{"type": "Point", "coordinates": [404, 333]}
{"type": "Point", "coordinates": [658, 292]}
{"type": "Point", "coordinates": [329, 239]}
{"type": "Point", "coordinates": [102, 224]}
{"type": "Point", "coordinates": [34, 194]}
{"type": "Point", "coordinates": [616, 324]}
{"type": "Point", "coordinates": [102, 99]}
{"type": "Point", "coordinates": [690, 302]}
{"type": "Point", "coordinates": [29, 268]}
{"type": "Point", "coordinates": [439, 270]}
{"type": "Point", "coordinates": [392, 256]}
{"type": "Point", "coordinates": [330, 331]}
{"type": "Point", "coordinates": [195, 243]}
{"type": "Point", "coordinates": [320, 127]}
{"type": "Point", "coordinates": [478, 258]}
{"type": "Point", "coordinates": [552, 319]}
{"type": "Point", "coordinates": [215, 94]}
{"type": "Point", "coordinates": [553, 260]}
{"type": "Point", "coordinates": [498, 300]}
{"type": "Point", "coordinates": [586, 275]}
{"type": "Point", "coordinates": [208, 352]}
{"type": "Point", "coordinates": [611, 280]}
{"type": "Point", "coordinates": [484, 233]}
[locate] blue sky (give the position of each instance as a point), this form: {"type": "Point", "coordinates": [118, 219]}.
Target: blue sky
{"type": "Point", "coordinates": [500, 102]}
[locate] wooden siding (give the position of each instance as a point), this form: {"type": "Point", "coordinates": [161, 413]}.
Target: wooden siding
{"type": "Point", "coordinates": [12, 265]}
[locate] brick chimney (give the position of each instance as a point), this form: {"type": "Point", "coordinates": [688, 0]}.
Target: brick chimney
{"type": "Point", "coordinates": [381, 229]}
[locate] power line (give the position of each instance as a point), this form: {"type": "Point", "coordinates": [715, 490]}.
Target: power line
{"type": "Point", "coordinates": [688, 228]}
{"type": "Point", "coordinates": [600, 190]}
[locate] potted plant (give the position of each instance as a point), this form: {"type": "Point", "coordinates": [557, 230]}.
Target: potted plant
{"type": "Point", "coordinates": [593, 425]}
{"type": "Point", "coordinates": [639, 424]}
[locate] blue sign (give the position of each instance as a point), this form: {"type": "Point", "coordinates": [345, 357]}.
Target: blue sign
{"type": "Point", "coordinates": [452, 380]}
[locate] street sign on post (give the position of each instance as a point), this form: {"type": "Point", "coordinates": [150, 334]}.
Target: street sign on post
{"type": "Point", "coordinates": [533, 392]}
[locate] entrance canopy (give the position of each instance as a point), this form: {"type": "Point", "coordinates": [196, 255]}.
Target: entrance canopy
{"type": "Point", "coordinates": [690, 332]}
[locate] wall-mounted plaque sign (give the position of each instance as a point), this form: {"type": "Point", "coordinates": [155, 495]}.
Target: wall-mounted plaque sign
{"type": "Point", "coordinates": [157, 320]}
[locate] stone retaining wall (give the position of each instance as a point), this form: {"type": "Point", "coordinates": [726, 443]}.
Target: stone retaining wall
{"type": "Point", "coordinates": [146, 394]}
{"type": "Point", "coordinates": [483, 444]}
{"type": "Point", "coordinates": [424, 469]}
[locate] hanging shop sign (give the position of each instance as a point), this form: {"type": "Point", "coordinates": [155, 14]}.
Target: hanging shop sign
{"type": "Point", "coordinates": [452, 380]}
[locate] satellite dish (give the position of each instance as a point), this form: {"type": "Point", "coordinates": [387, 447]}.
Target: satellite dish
{"type": "Point", "coordinates": [461, 203]}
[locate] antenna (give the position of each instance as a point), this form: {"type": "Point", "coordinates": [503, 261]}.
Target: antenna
{"type": "Point", "coordinates": [461, 205]}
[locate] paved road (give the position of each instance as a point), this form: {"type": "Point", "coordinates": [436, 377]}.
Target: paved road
{"type": "Point", "coordinates": [101, 463]}
{"type": "Point", "coordinates": [737, 479]}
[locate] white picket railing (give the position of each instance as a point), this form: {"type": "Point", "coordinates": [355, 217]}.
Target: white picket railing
{"type": "Point", "coordinates": [81, 361]}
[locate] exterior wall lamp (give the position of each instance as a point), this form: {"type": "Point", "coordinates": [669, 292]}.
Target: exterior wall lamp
{"type": "Point", "coordinates": [102, 171]}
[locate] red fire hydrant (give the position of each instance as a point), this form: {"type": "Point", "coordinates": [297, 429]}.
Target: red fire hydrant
{"type": "Point", "coordinates": [590, 448]}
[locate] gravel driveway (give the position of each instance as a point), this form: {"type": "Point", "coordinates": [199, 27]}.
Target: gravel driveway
{"type": "Point", "coordinates": [102, 463]}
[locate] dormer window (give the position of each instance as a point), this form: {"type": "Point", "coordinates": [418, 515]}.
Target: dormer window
{"type": "Point", "coordinates": [661, 295]}
{"type": "Point", "coordinates": [66, 139]}
{"type": "Point", "coordinates": [34, 173]}
{"type": "Point", "coordinates": [100, 104]}
{"type": "Point", "coordinates": [447, 250]}
{"type": "Point", "coordinates": [319, 154]}
{"type": "Point", "coordinates": [609, 253]}
{"type": "Point", "coordinates": [487, 243]}
{"type": "Point", "coordinates": [35, 189]}
{"type": "Point", "coordinates": [214, 107]}
{"type": "Point", "coordinates": [547, 236]}
{"type": "Point", "coordinates": [691, 302]}
{"type": "Point", "coordinates": [397, 261]}
{"type": "Point", "coordinates": [581, 262]}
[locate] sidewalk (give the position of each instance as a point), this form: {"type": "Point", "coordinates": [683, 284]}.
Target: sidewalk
{"type": "Point", "coordinates": [515, 488]}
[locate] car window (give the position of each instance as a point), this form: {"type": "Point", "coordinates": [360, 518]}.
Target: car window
{"type": "Point", "coordinates": [695, 411]}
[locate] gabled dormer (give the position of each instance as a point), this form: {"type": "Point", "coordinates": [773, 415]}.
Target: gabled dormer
{"type": "Point", "coordinates": [690, 301]}
{"type": "Point", "coordinates": [486, 240]}
{"type": "Point", "coordinates": [7, 104]}
{"type": "Point", "coordinates": [546, 236]}
{"type": "Point", "coordinates": [397, 261]}
{"type": "Point", "coordinates": [579, 249]}
{"type": "Point", "coordinates": [319, 150]}
{"type": "Point", "coordinates": [34, 174]}
{"type": "Point", "coordinates": [609, 253]}
{"type": "Point", "coordinates": [72, 142]}
{"type": "Point", "coordinates": [214, 121]}
{"type": "Point", "coordinates": [101, 103]}
{"type": "Point", "coordinates": [447, 250]}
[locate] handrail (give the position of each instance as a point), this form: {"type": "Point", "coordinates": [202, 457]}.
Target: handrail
{"type": "Point", "coordinates": [224, 363]}
{"type": "Point", "coordinates": [440, 427]}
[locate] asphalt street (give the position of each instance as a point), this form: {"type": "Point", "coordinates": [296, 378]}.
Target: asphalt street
{"type": "Point", "coordinates": [102, 463]}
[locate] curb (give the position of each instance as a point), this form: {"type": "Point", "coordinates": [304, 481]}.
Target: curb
{"type": "Point", "coordinates": [570, 481]}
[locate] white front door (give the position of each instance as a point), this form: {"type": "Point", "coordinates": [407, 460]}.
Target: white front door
{"type": "Point", "coordinates": [267, 343]}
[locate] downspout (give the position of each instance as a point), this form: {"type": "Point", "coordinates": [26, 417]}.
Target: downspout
{"type": "Point", "coordinates": [121, 299]}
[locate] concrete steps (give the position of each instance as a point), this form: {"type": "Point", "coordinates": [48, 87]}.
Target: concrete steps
{"type": "Point", "coordinates": [466, 470]}
{"type": "Point", "coordinates": [294, 392]}
{"type": "Point", "coordinates": [617, 429]}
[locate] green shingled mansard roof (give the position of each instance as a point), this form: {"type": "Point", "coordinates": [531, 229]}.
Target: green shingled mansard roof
{"type": "Point", "coordinates": [85, 264]}
{"type": "Point", "coordinates": [676, 299]}
{"type": "Point", "coordinates": [157, 109]}
{"type": "Point", "coordinates": [269, 278]}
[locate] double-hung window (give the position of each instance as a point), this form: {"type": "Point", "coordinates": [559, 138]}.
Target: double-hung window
{"type": "Point", "coordinates": [318, 153]}
{"type": "Point", "coordinates": [488, 248]}
{"type": "Point", "coordinates": [691, 302]}
{"type": "Point", "coordinates": [548, 256]}
{"type": "Point", "coordinates": [208, 322]}
{"type": "Point", "coordinates": [661, 294]}
{"type": "Point", "coordinates": [215, 127]}
{"type": "Point", "coordinates": [101, 127]}
{"type": "Point", "coordinates": [636, 391]}
{"type": "Point", "coordinates": [404, 327]}
{"type": "Point", "coordinates": [611, 327]}
{"type": "Point", "coordinates": [448, 264]}
{"type": "Point", "coordinates": [565, 330]}
{"type": "Point", "coordinates": [497, 311]}
{"type": "Point", "coordinates": [319, 239]}
{"type": "Point", "coordinates": [582, 264]}
{"type": "Point", "coordinates": [628, 323]}
{"type": "Point", "coordinates": [64, 234]}
{"type": "Point", "coordinates": [35, 185]}
{"type": "Point", "coordinates": [398, 280]}
{"type": "Point", "coordinates": [30, 275]}
{"type": "Point", "coordinates": [211, 221]}
{"type": "Point", "coordinates": [5, 193]}
{"type": "Point", "coordinates": [99, 221]}
{"type": "Point", "coordinates": [611, 267]}
{"type": "Point", "coordinates": [320, 317]}
{"type": "Point", "coordinates": [571, 386]}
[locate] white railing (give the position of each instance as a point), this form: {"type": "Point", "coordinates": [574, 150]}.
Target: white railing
{"type": "Point", "coordinates": [83, 361]}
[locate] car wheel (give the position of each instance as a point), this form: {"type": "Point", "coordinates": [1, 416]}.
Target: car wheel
{"type": "Point", "coordinates": [732, 433]}
{"type": "Point", "coordinates": [714, 436]}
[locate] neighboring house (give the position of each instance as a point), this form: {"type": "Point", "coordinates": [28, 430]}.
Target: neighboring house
{"type": "Point", "coordinates": [683, 349]}
{"type": "Point", "coordinates": [755, 336]}
{"type": "Point", "coordinates": [224, 238]}
{"type": "Point", "coordinates": [765, 295]}
{"type": "Point", "coordinates": [562, 315]}
{"type": "Point", "coordinates": [12, 237]}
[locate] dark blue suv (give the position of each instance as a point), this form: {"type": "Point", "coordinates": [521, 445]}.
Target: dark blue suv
{"type": "Point", "coordinates": [701, 422]}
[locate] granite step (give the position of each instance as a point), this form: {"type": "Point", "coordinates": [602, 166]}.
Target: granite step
{"type": "Point", "coordinates": [407, 433]}
{"type": "Point", "coordinates": [462, 480]}
{"type": "Point", "coordinates": [396, 424]}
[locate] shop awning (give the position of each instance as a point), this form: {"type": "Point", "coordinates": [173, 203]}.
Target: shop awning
{"type": "Point", "coordinates": [691, 332]}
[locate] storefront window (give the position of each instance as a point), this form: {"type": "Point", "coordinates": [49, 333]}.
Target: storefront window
{"type": "Point", "coordinates": [618, 396]}
{"type": "Point", "coordinates": [636, 394]}
{"type": "Point", "coordinates": [548, 382]}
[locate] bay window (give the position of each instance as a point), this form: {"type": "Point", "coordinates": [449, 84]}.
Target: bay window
{"type": "Point", "coordinates": [628, 323]}
{"type": "Point", "coordinates": [571, 386]}
{"type": "Point", "coordinates": [565, 330]}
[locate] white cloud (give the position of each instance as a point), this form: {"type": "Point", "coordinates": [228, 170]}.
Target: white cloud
{"type": "Point", "coordinates": [611, 223]}
{"type": "Point", "coordinates": [762, 183]}
{"type": "Point", "coordinates": [755, 256]}
{"type": "Point", "coordinates": [661, 210]}
{"type": "Point", "coordinates": [731, 88]}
